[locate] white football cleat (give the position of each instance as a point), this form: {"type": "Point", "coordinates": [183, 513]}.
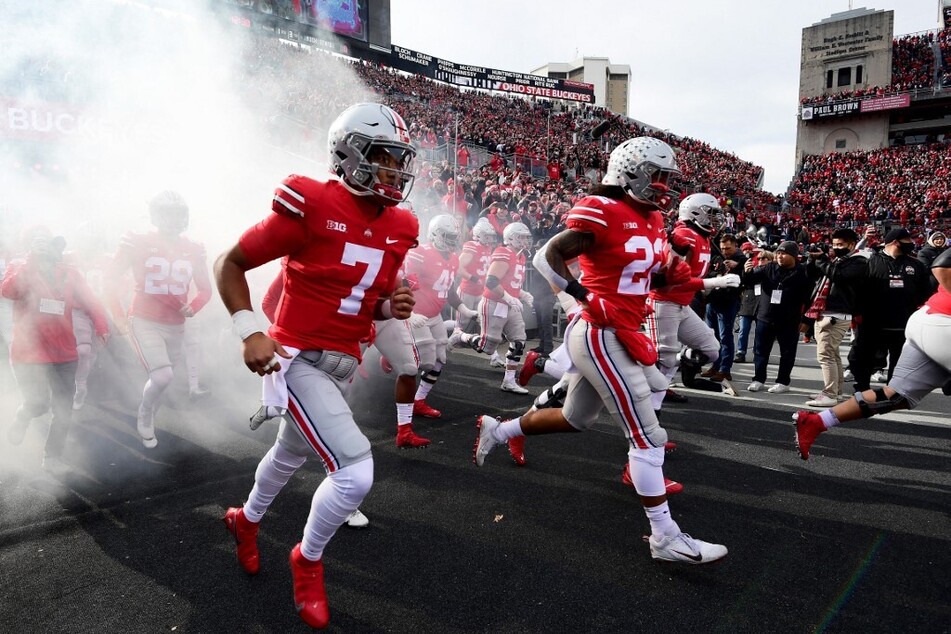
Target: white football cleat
{"type": "Point", "coordinates": [485, 441]}
{"type": "Point", "coordinates": [357, 520]}
{"type": "Point", "coordinates": [685, 549]}
{"type": "Point", "coordinates": [879, 377]}
{"type": "Point", "coordinates": [496, 361]}
{"type": "Point", "coordinates": [79, 399]}
{"type": "Point", "coordinates": [512, 386]}
{"type": "Point", "coordinates": [146, 428]}
{"type": "Point", "coordinates": [455, 339]}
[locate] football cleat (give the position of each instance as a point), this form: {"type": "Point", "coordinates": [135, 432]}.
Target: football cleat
{"type": "Point", "coordinates": [357, 520]}
{"type": "Point", "coordinates": [245, 533]}
{"type": "Point", "coordinates": [685, 549]}
{"type": "Point", "coordinates": [385, 365]}
{"type": "Point", "coordinates": [512, 386]}
{"type": "Point", "coordinates": [808, 426]}
{"type": "Point", "coordinates": [517, 450]}
{"type": "Point", "coordinates": [674, 397]}
{"type": "Point", "coordinates": [496, 361]}
{"type": "Point", "coordinates": [671, 487]}
{"type": "Point", "coordinates": [485, 441]}
{"type": "Point", "coordinates": [670, 447]}
{"type": "Point", "coordinates": [421, 408]}
{"type": "Point", "coordinates": [528, 369]}
{"type": "Point", "coordinates": [199, 393]}
{"type": "Point", "coordinates": [144, 424]}
{"type": "Point", "coordinates": [310, 597]}
{"type": "Point", "coordinates": [79, 399]}
{"type": "Point", "coordinates": [406, 438]}
{"type": "Point", "coordinates": [455, 339]}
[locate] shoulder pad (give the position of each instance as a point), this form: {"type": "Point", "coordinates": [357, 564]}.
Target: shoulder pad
{"type": "Point", "coordinates": [943, 261]}
{"type": "Point", "coordinates": [295, 195]}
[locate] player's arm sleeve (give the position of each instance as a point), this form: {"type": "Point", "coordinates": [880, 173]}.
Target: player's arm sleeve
{"type": "Point", "coordinates": [273, 238]}
{"type": "Point", "coordinates": [87, 300]}
{"type": "Point", "coordinates": [11, 288]}
{"type": "Point", "coordinates": [202, 281]}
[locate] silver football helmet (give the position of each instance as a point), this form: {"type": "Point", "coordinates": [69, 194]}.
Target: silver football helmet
{"type": "Point", "coordinates": [702, 210]}
{"type": "Point", "coordinates": [443, 233]}
{"type": "Point", "coordinates": [646, 169]}
{"type": "Point", "coordinates": [484, 233]}
{"type": "Point", "coordinates": [517, 236]}
{"type": "Point", "coordinates": [168, 212]}
{"type": "Point", "coordinates": [371, 152]}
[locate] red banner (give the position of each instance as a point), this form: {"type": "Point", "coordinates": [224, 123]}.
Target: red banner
{"type": "Point", "coordinates": [885, 103]}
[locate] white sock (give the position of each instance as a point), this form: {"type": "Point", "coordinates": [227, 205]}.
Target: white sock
{"type": "Point", "coordinates": [829, 419]}
{"type": "Point", "coordinates": [509, 429]}
{"type": "Point", "coordinates": [273, 472]}
{"type": "Point", "coordinates": [662, 524]}
{"type": "Point", "coordinates": [425, 387]}
{"type": "Point", "coordinates": [339, 495]}
{"type": "Point", "coordinates": [509, 376]}
{"type": "Point", "coordinates": [404, 413]}
{"type": "Point", "coordinates": [553, 369]}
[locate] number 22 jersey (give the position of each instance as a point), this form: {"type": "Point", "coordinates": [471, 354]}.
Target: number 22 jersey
{"type": "Point", "coordinates": [628, 247]}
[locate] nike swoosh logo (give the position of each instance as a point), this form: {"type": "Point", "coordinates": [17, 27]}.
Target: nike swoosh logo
{"type": "Point", "coordinates": [697, 557]}
{"type": "Point", "coordinates": [393, 241]}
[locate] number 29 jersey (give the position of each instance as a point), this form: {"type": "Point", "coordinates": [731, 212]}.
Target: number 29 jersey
{"type": "Point", "coordinates": [343, 253]}
{"type": "Point", "coordinates": [628, 248]}
{"type": "Point", "coordinates": [163, 268]}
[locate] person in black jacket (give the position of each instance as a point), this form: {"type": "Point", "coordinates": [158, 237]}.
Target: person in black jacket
{"type": "Point", "coordinates": [937, 243]}
{"type": "Point", "coordinates": [785, 287]}
{"type": "Point", "coordinates": [841, 280]}
{"type": "Point", "coordinates": [722, 307]}
{"type": "Point", "coordinates": [897, 285]}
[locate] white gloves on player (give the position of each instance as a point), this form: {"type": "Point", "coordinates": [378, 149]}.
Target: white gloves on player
{"type": "Point", "coordinates": [526, 298]}
{"type": "Point", "coordinates": [730, 280]}
{"type": "Point", "coordinates": [465, 312]}
{"type": "Point", "coordinates": [513, 302]}
{"type": "Point", "coordinates": [417, 321]}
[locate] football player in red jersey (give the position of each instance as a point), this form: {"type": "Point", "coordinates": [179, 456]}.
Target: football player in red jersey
{"type": "Point", "coordinates": [344, 242]}
{"type": "Point", "coordinates": [923, 366]}
{"type": "Point", "coordinates": [673, 322]}
{"type": "Point", "coordinates": [500, 311]}
{"type": "Point", "coordinates": [434, 266]}
{"type": "Point", "coordinates": [164, 265]}
{"type": "Point", "coordinates": [618, 235]}
{"type": "Point", "coordinates": [473, 265]}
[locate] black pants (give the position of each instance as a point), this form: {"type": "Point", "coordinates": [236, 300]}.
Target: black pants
{"type": "Point", "coordinates": [544, 309]}
{"type": "Point", "coordinates": [787, 335]}
{"type": "Point", "coordinates": [869, 339]}
{"type": "Point", "coordinates": [46, 386]}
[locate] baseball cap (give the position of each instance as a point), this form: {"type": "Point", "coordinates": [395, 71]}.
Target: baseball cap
{"type": "Point", "coordinates": [896, 234]}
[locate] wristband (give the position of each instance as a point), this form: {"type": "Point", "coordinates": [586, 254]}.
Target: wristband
{"type": "Point", "coordinates": [245, 324]}
{"type": "Point", "coordinates": [576, 290]}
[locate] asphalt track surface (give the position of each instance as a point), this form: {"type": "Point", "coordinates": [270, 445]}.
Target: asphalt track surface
{"type": "Point", "coordinates": [126, 539]}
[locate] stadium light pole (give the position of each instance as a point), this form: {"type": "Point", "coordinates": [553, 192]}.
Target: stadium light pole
{"type": "Point", "coordinates": [548, 140]}
{"type": "Point", "coordinates": [455, 165]}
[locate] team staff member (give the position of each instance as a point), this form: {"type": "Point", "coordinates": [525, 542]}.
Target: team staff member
{"type": "Point", "coordinates": [723, 304]}
{"type": "Point", "coordinates": [841, 280]}
{"type": "Point", "coordinates": [784, 287]}
{"type": "Point", "coordinates": [897, 285]}
{"type": "Point", "coordinates": [344, 241]}
{"type": "Point", "coordinates": [43, 353]}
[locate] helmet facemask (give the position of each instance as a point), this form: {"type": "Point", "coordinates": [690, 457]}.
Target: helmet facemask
{"type": "Point", "coordinates": [168, 213]}
{"type": "Point", "coordinates": [444, 233]}
{"type": "Point", "coordinates": [375, 167]}
{"type": "Point", "coordinates": [653, 185]}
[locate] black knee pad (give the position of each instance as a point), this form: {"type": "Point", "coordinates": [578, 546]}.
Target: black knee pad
{"type": "Point", "coordinates": [430, 376]}
{"type": "Point", "coordinates": [514, 353]}
{"type": "Point", "coordinates": [882, 405]}
{"type": "Point", "coordinates": [554, 396]}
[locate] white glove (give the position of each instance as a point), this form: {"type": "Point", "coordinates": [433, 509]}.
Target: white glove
{"type": "Point", "coordinates": [513, 302]}
{"type": "Point", "coordinates": [417, 321]}
{"type": "Point", "coordinates": [730, 280]}
{"type": "Point", "coordinates": [526, 298]}
{"type": "Point", "coordinates": [466, 313]}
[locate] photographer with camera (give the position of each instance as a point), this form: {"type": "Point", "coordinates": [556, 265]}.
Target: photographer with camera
{"type": "Point", "coordinates": [842, 277]}
{"type": "Point", "coordinates": [43, 353]}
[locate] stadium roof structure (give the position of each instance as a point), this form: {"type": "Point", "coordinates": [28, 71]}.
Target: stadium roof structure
{"type": "Point", "coordinates": [848, 15]}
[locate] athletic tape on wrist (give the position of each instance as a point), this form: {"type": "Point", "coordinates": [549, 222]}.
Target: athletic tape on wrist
{"type": "Point", "coordinates": [245, 324]}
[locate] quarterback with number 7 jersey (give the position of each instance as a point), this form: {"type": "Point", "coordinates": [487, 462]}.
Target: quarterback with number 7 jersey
{"type": "Point", "coordinates": [164, 264]}
{"type": "Point", "coordinates": [343, 242]}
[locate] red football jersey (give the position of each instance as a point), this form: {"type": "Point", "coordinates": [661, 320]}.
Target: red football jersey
{"type": "Point", "coordinates": [435, 273]}
{"type": "Point", "coordinates": [511, 282]}
{"type": "Point", "coordinates": [699, 260]}
{"type": "Point", "coordinates": [164, 268]}
{"type": "Point", "coordinates": [628, 247]}
{"type": "Point", "coordinates": [481, 255]}
{"type": "Point", "coordinates": [342, 252]}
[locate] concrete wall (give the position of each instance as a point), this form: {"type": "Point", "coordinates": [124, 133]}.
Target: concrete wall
{"type": "Point", "coordinates": [863, 132]}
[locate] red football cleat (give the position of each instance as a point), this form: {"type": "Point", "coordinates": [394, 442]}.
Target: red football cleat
{"type": "Point", "coordinates": [245, 533]}
{"type": "Point", "coordinates": [528, 368]}
{"type": "Point", "coordinates": [671, 486]}
{"type": "Point", "coordinates": [808, 426]}
{"type": "Point", "coordinates": [421, 408]}
{"type": "Point", "coordinates": [670, 447]}
{"type": "Point", "coordinates": [385, 365]}
{"type": "Point", "coordinates": [517, 450]}
{"type": "Point", "coordinates": [310, 598]}
{"type": "Point", "coordinates": [407, 438]}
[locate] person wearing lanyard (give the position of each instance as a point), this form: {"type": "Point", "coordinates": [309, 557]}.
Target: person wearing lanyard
{"type": "Point", "coordinates": [43, 352]}
{"type": "Point", "coordinates": [784, 288]}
